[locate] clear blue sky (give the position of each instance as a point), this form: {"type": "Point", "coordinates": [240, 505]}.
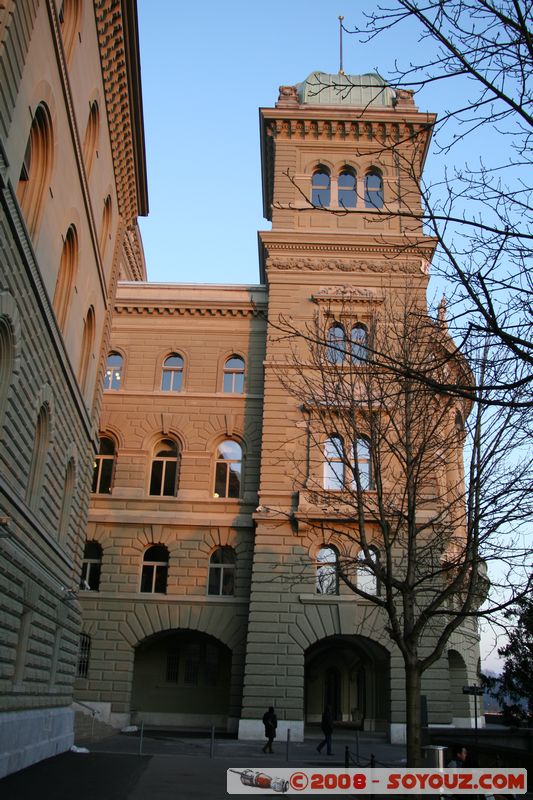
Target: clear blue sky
{"type": "Point", "coordinates": [206, 69]}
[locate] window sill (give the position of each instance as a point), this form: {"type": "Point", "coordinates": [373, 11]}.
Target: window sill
{"type": "Point", "coordinates": [306, 599]}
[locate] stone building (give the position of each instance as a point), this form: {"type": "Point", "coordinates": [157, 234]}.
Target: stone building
{"type": "Point", "coordinates": [199, 589]}
{"type": "Point", "coordinates": [72, 183]}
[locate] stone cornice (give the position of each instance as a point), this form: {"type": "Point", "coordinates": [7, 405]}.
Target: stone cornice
{"type": "Point", "coordinates": [189, 310]}
{"type": "Point", "coordinates": [116, 22]}
{"type": "Point", "coordinates": [350, 294]}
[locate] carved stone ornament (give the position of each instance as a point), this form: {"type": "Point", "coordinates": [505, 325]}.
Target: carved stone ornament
{"type": "Point", "coordinates": [353, 265]}
{"type": "Point", "coordinates": [288, 96]}
{"type": "Point", "coordinates": [350, 293]}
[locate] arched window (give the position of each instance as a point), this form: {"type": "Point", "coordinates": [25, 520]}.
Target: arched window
{"type": "Point", "coordinates": [86, 347]}
{"type": "Point", "coordinates": [103, 467]}
{"type": "Point", "coordinates": [234, 375]}
{"type": "Point", "coordinates": [40, 449]}
{"type": "Point", "coordinates": [65, 277]}
{"type": "Point", "coordinates": [367, 579]}
{"type": "Point", "coordinates": [68, 496]}
{"type": "Point", "coordinates": [91, 567]}
{"type": "Point", "coordinates": [347, 188]}
{"type": "Point", "coordinates": [113, 372]}
{"type": "Point", "coordinates": [228, 469]}
{"type": "Point", "coordinates": [36, 167]}
{"type": "Point", "coordinates": [90, 144]}
{"type": "Point", "coordinates": [7, 360]}
{"type": "Point", "coordinates": [336, 344]}
{"type": "Point", "coordinates": [69, 14]}
{"type": "Point", "coordinates": [359, 338]}
{"type": "Point", "coordinates": [363, 460]}
{"type": "Point", "coordinates": [164, 473]}
{"type": "Point", "coordinates": [222, 572]}
{"type": "Point", "coordinates": [327, 568]}
{"type": "Point", "coordinates": [106, 224]}
{"type": "Point", "coordinates": [84, 655]}
{"type": "Point", "coordinates": [334, 464]}
{"type": "Point", "coordinates": [373, 189]}
{"type": "Point", "coordinates": [155, 570]}
{"type": "Point", "coordinates": [321, 187]}
{"type": "Point", "coordinates": [172, 378]}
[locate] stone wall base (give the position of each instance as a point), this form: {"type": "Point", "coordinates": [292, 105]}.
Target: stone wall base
{"type": "Point", "coordinates": [29, 736]}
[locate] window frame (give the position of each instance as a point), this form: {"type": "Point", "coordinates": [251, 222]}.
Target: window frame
{"type": "Point", "coordinates": [165, 461]}
{"type": "Point", "coordinates": [351, 172]}
{"type": "Point", "coordinates": [222, 568]}
{"type": "Point", "coordinates": [87, 565]}
{"type": "Point", "coordinates": [316, 189]}
{"type": "Point", "coordinates": [99, 458]}
{"type": "Point", "coordinates": [329, 568]}
{"type": "Point", "coordinates": [172, 371]}
{"type": "Point", "coordinates": [227, 462]}
{"type": "Point", "coordinates": [156, 567]}
{"type": "Point", "coordinates": [109, 377]}
{"type": "Point", "coordinates": [369, 192]}
{"type": "Point", "coordinates": [233, 373]}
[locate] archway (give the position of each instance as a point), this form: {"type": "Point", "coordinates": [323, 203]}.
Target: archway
{"type": "Point", "coordinates": [351, 675]}
{"type": "Point", "coordinates": [181, 678]}
{"type": "Point", "coordinates": [459, 702]}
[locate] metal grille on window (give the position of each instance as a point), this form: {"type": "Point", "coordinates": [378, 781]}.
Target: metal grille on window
{"type": "Point", "coordinates": [173, 664]}
{"type": "Point", "coordinates": [192, 664]}
{"type": "Point", "coordinates": [84, 655]}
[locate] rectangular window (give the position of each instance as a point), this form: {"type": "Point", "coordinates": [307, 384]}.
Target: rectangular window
{"type": "Point", "coordinates": [192, 664]}
{"type": "Point", "coordinates": [84, 656]}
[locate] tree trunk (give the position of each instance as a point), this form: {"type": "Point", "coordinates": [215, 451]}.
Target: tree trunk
{"type": "Point", "coordinates": [413, 683]}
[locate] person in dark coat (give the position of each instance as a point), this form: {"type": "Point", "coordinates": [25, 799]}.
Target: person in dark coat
{"type": "Point", "coordinates": [270, 721]}
{"type": "Point", "coordinates": [327, 730]}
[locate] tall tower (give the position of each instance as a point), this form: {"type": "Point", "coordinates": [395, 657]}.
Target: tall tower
{"type": "Point", "coordinates": [341, 159]}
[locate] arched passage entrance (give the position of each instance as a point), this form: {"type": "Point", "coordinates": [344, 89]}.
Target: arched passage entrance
{"type": "Point", "coordinates": [182, 678]}
{"type": "Point", "coordinates": [350, 674]}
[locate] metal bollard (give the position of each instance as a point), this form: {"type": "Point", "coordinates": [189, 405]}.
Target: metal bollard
{"type": "Point", "coordinates": [347, 757]}
{"type": "Point", "coordinates": [141, 739]}
{"type": "Point", "coordinates": [212, 743]}
{"type": "Point", "coordinates": [288, 744]}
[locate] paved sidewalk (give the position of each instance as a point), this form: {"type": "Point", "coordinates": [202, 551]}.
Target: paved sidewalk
{"type": "Point", "coordinates": [170, 768]}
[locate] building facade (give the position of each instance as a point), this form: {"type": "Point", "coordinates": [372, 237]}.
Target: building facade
{"type": "Point", "coordinates": [72, 183]}
{"type": "Point", "coordinates": [202, 585]}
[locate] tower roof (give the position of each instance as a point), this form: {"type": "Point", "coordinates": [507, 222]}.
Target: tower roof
{"type": "Point", "coordinates": [338, 89]}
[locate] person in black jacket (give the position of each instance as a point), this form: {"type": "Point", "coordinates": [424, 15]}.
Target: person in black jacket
{"type": "Point", "coordinates": [327, 730]}
{"type": "Point", "coordinates": [270, 721]}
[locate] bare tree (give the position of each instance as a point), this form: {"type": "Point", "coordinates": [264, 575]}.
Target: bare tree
{"type": "Point", "coordinates": [481, 213]}
{"type": "Point", "coordinates": [381, 463]}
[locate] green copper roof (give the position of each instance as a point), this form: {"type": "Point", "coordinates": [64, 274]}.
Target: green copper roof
{"type": "Point", "coordinates": [336, 89]}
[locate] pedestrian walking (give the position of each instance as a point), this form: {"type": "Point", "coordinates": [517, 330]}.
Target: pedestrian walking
{"type": "Point", "coordinates": [270, 721]}
{"type": "Point", "coordinates": [327, 730]}
{"type": "Point", "coordinates": [459, 756]}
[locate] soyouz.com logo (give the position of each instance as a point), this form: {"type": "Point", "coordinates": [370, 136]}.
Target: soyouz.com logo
{"type": "Point", "coordinates": [395, 781]}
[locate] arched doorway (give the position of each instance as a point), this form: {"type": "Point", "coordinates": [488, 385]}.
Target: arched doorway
{"type": "Point", "coordinates": [459, 702]}
{"type": "Point", "coordinates": [350, 674]}
{"type": "Point", "coordinates": [181, 678]}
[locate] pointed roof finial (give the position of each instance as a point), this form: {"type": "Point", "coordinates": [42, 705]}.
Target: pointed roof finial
{"type": "Point", "coordinates": [341, 70]}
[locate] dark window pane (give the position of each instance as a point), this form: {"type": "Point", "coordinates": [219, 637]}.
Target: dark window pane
{"type": "Point", "coordinates": [106, 474]}
{"type": "Point", "coordinates": [216, 556]}
{"type": "Point", "coordinates": [92, 550]}
{"type": "Point", "coordinates": [166, 449]}
{"type": "Point", "coordinates": [156, 477]}
{"type": "Point", "coordinates": [346, 180]}
{"type": "Point", "coordinates": [238, 383]}
{"type": "Point", "coordinates": [107, 447]}
{"type": "Point", "coordinates": [228, 382]}
{"type": "Point", "coordinates": [321, 197]}
{"type": "Point", "coordinates": [228, 580]}
{"type": "Point", "coordinates": [234, 480]}
{"type": "Point", "coordinates": [157, 552]}
{"type": "Point", "coordinates": [220, 480]}
{"type": "Point", "coordinates": [227, 555]}
{"type": "Point", "coordinates": [94, 577]}
{"type": "Point", "coordinates": [174, 361]}
{"type": "Point", "coordinates": [146, 578]}
{"type": "Point", "coordinates": [211, 665]}
{"type": "Point", "coordinates": [161, 579]}
{"type": "Point", "coordinates": [169, 488]}
{"type": "Point", "coordinates": [83, 578]}
{"type": "Point", "coordinates": [336, 338]}
{"type": "Point", "coordinates": [214, 580]}
{"type": "Point", "coordinates": [165, 383]}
